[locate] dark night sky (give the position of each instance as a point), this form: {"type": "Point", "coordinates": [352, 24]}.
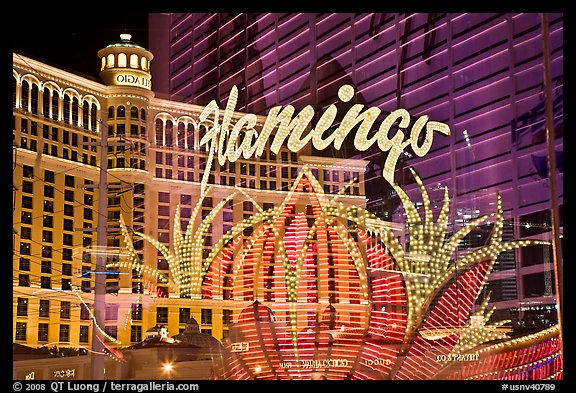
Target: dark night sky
{"type": "Point", "coordinates": [71, 40]}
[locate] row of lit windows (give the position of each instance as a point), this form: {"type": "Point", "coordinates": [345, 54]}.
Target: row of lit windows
{"type": "Point", "coordinates": [135, 330]}
{"type": "Point", "coordinates": [47, 233]}
{"type": "Point", "coordinates": [68, 109]}
{"type": "Point", "coordinates": [120, 112]}
{"type": "Point", "coordinates": [121, 60]}
{"type": "Point", "coordinates": [52, 139]}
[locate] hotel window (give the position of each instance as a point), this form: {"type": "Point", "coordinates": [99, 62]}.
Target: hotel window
{"type": "Point", "coordinates": [20, 330]}
{"type": "Point", "coordinates": [46, 267]}
{"type": "Point", "coordinates": [67, 254]}
{"type": "Point", "coordinates": [84, 334]}
{"type": "Point", "coordinates": [24, 96]}
{"type": "Point", "coordinates": [112, 331]}
{"type": "Point", "coordinates": [135, 334]}
{"type": "Point", "coordinates": [24, 248]}
{"type": "Point", "coordinates": [183, 315]}
{"type": "Point", "coordinates": [161, 314]}
{"type": "Point", "coordinates": [121, 112]}
{"type": "Point", "coordinates": [69, 195]}
{"type": "Point", "coordinates": [26, 233]}
{"type": "Point", "coordinates": [69, 210]}
{"type": "Point", "coordinates": [68, 224]}
{"type": "Point", "coordinates": [47, 251]}
{"type": "Point", "coordinates": [55, 100]}
{"type": "Point", "coordinates": [137, 312]}
{"type": "Point", "coordinates": [45, 282]}
{"type": "Point", "coordinates": [23, 280]}
{"type": "Point", "coordinates": [67, 269]}
{"type": "Point", "coordinates": [122, 60]}
{"type": "Point", "coordinates": [85, 114]}
{"type": "Point", "coordinates": [84, 312]}
{"type": "Point", "coordinates": [66, 284]}
{"type": "Point", "coordinates": [22, 307]}
{"type": "Point", "coordinates": [206, 316]}
{"type": "Point", "coordinates": [75, 107]}
{"type": "Point", "coordinates": [134, 61]}
{"type": "Point", "coordinates": [47, 236]}
{"type": "Point", "coordinates": [64, 333]}
{"type": "Point", "coordinates": [44, 310]}
{"type": "Point", "coordinates": [110, 63]}
{"type": "Point", "coordinates": [28, 172]}
{"type": "Point", "coordinates": [69, 181]}
{"type": "Point", "coordinates": [207, 202]}
{"type": "Point", "coordinates": [34, 99]}
{"type": "Point", "coordinates": [27, 187]}
{"type": "Point", "coordinates": [93, 117]}
{"type": "Point", "coordinates": [24, 264]}
{"type": "Point", "coordinates": [48, 176]}
{"type": "Point", "coordinates": [226, 317]}
{"type": "Point", "coordinates": [111, 312]}
{"type": "Point", "coordinates": [65, 308]}
{"type": "Point", "coordinates": [168, 134]}
{"type": "Point", "coordinates": [46, 102]}
{"type": "Point", "coordinates": [42, 332]}
{"type": "Point", "coordinates": [86, 240]}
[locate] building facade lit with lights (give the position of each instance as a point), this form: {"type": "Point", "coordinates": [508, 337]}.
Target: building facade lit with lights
{"type": "Point", "coordinates": [155, 164]}
{"type": "Point", "coordinates": [291, 254]}
{"type": "Point", "coordinates": [481, 73]}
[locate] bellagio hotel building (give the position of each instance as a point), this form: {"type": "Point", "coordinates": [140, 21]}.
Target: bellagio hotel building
{"type": "Point", "coordinates": [154, 164]}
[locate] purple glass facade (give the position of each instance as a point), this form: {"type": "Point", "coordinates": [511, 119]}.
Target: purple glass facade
{"type": "Point", "coordinates": [482, 74]}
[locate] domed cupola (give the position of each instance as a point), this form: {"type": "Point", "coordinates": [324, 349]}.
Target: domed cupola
{"type": "Point", "coordinates": [126, 63]}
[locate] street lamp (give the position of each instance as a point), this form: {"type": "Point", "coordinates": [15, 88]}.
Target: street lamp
{"type": "Point", "coordinates": [167, 368]}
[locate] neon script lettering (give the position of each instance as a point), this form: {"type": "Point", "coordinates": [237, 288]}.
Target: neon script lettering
{"type": "Point", "coordinates": [228, 141]}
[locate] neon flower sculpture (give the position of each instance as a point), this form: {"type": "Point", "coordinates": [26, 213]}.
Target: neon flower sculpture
{"type": "Point", "coordinates": [320, 289]}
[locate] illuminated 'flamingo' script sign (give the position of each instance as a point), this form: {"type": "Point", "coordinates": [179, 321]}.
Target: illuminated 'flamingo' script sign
{"type": "Point", "coordinates": [241, 139]}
